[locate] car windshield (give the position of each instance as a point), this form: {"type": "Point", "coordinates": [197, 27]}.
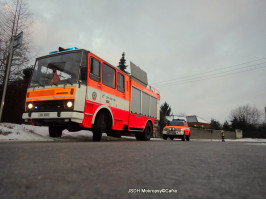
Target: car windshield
{"type": "Point", "coordinates": [57, 69]}
{"type": "Point", "coordinates": [176, 124]}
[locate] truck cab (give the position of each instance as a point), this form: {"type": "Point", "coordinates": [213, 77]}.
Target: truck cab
{"type": "Point", "coordinates": [176, 129]}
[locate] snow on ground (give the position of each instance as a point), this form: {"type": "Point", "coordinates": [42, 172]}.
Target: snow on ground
{"type": "Point", "coordinates": [246, 140]}
{"type": "Point", "coordinates": [24, 132]}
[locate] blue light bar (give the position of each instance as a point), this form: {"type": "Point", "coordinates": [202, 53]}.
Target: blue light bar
{"type": "Point", "coordinates": [53, 52]}
{"type": "Point", "coordinates": [72, 48]}
{"type": "Point", "coordinates": [68, 49]}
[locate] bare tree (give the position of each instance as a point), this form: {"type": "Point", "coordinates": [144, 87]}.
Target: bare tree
{"type": "Point", "coordinates": [181, 114]}
{"type": "Point", "coordinates": [249, 115]}
{"type": "Point", "coordinates": [14, 18]}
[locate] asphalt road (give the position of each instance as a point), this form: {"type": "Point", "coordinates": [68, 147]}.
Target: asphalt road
{"type": "Point", "coordinates": [132, 169]}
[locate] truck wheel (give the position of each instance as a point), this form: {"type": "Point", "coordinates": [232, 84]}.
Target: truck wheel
{"type": "Point", "coordinates": [165, 137]}
{"type": "Point", "coordinates": [172, 138]}
{"type": "Point", "coordinates": [147, 132]}
{"type": "Point", "coordinates": [139, 136]}
{"type": "Point", "coordinates": [183, 137]}
{"type": "Point", "coordinates": [99, 127]}
{"type": "Point", "coordinates": [55, 131]}
{"type": "Point", "coordinates": [187, 137]}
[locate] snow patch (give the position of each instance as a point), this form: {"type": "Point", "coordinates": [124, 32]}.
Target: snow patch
{"type": "Point", "coordinates": [24, 132]}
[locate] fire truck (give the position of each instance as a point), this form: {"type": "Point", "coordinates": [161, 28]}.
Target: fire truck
{"type": "Point", "coordinates": [76, 90]}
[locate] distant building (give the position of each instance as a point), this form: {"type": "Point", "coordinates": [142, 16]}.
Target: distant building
{"type": "Point", "coordinates": [196, 121]}
{"type": "Point", "coordinates": [193, 121]}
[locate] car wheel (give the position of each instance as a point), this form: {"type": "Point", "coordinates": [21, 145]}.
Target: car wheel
{"type": "Point", "coordinates": [184, 137]}
{"type": "Point", "coordinates": [187, 137]}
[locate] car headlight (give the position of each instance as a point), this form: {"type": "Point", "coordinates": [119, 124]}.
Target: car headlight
{"type": "Point", "coordinates": [70, 104]}
{"type": "Point", "coordinates": [30, 106]}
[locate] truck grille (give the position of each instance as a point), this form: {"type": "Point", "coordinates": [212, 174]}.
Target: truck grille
{"type": "Point", "coordinates": [49, 106]}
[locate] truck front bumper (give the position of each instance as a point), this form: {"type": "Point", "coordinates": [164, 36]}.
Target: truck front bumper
{"type": "Point", "coordinates": [46, 117]}
{"type": "Point", "coordinates": [173, 133]}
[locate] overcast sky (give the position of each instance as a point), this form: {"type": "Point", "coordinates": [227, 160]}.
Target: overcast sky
{"type": "Point", "coordinates": [189, 49]}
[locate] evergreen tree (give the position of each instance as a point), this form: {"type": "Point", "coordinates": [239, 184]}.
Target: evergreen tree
{"type": "Point", "coordinates": [215, 124]}
{"type": "Point", "coordinates": [122, 64]}
{"type": "Point", "coordinates": [27, 72]}
{"type": "Point", "coordinates": [165, 110]}
{"type": "Point", "coordinates": [226, 126]}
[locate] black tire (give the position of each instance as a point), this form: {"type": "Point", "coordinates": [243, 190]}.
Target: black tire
{"type": "Point", "coordinates": [146, 134]}
{"type": "Point", "coordinates": [165, 137]}
{"type": "Point", "coordinates": [183, 137]}
{"type": "Point", "coordinates": [171, 138]}
{"type": "Point", "coordinates": [99, 127]}
{"type": "Point", "coordinates": [139, 136]}
{"type": "Point", "coordinates": [55, 131]}
{"type": "Point", "coordinates": [187, 137]}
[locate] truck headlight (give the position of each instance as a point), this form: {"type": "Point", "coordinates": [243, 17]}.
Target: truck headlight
{"type": "Point", "coordinates": [30, 106]}
{"type": "Point", "coordinates": [70, 104]}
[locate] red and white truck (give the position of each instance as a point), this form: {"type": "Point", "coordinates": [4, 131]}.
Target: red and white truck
{"type": "Point", "coordinates": [74, 89]}
{"type": "Point", "coordinates": [177, 128]}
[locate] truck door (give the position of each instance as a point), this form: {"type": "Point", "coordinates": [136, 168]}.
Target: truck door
{"type": "Point", "coordinates": [94, 88]}
{"type": "Point", "coordinates": [81, 87]}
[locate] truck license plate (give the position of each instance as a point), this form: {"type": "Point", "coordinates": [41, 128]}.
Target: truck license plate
{"type": "Point", "coordinates": [44, 114]}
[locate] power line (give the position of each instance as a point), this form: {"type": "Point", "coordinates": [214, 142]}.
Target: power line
{"type": "Point", "coordinates": [209, 75]}
{"type": "Point", "coordinates": [207, 72]}
{"type": "Point", "coordinates": [188, 81]}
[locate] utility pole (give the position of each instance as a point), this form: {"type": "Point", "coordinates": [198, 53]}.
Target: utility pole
{"type": "Point", "coordinates": [14, 43]}
{"type": "Point", "coordinates": [6, 76]}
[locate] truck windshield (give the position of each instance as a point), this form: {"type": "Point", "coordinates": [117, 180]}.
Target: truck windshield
{"type": "Point", "coordinates": [176, 124]}
{"type": "Point", "coordinates": [57, 69]}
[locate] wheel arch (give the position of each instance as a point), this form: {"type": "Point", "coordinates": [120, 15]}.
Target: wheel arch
{"type": "Point", "coordinates": [152, 125]}
{"type": "Point", "coordinates": [103, 108]}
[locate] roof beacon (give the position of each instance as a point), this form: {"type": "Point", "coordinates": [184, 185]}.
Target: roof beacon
{"type": "Point", "coordinates": [62, 49]}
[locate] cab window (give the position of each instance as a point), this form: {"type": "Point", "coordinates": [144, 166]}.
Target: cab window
{"type": "Point", "coordinates": [108, 76]}
{"type": "Point", "coordinates": [176, 123]}
{"type": "Point", "coordinates": [95, 70]}
{"type": "Point", "coordinates": [120, 82]}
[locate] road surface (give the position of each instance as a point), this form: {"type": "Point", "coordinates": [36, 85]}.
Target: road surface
{"type": "Point", "coordinates": [132, 169]}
